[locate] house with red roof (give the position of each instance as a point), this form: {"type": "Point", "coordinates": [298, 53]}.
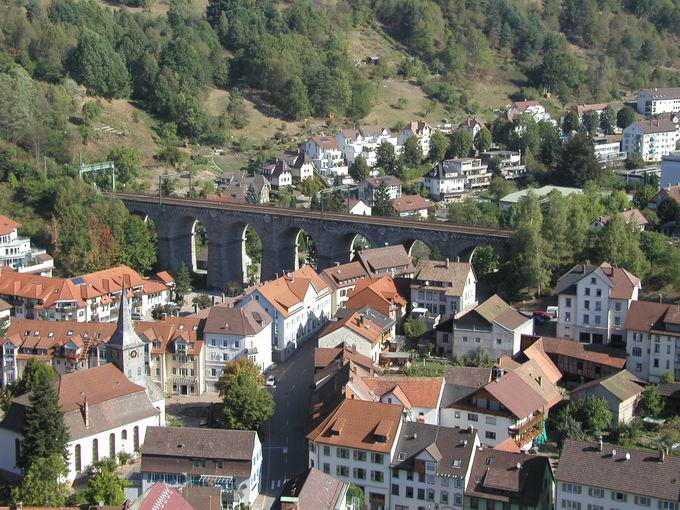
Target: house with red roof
{"type": "Point", "coordinates": [381, 294]}
{"type": "Point", "coordinates": [91, 297]}
{"type": "Point", "coordinates": [594, 302]}
{"type": "Point", "coordinates": [299, 304]}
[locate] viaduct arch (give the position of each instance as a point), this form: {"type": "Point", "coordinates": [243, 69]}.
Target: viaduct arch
{"type": "Point", "coordinates": [278, 229]}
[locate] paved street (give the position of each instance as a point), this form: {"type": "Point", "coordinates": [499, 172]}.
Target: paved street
{"type": "Point", "coordinates": [288, 426]}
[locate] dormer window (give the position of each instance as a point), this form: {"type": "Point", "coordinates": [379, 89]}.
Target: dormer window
{"type": "Point", "coordinates": [36, 333]}
{"type": "Point", "coordinates": [50, 335]}
{"type": "Point", "coordinates": [456, 463]}
{"type": "Point", "coordinates": [69, 332]}
{"type": "Point", "coordinates": [402, 456]}
{"type": "Point", "coordinates": [181, 327]}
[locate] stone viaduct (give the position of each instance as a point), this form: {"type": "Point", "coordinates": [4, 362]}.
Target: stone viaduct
{"type": "Point", "coordinates": [279, 229]}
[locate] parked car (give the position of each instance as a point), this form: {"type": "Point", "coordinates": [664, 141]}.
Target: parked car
{"type": "Point", "coordinates": [271, 381]}
{"type": "Point", "coordinates": [546, 316]}
{"type": "Point", "coordinates": [554, 311]}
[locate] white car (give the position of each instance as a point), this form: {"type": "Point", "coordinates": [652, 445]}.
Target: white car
{"type": "Point", "coordinates": [271, 381]}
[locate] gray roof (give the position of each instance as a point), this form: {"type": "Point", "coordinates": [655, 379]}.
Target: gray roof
{"type": "Point", "coordinates": [313, 490]}
{"type": "Point", "coordinates": [199, 442]}
{"type": "Point", "coordinates": [376, 259]}
{"type": "Point", "coordinates": [248, 320]}
{"type": "Point", "coordinates": [459, 382]}
{"type": "Point", "coordinates": [643, 473]}
{"type": "Point", "coordinates": [125, 334]}
{"type": "Point", "coordinates": [446, 445]}
{"type": "Point", "coordinates": [375, 317]}
{"type": "Point", "coordinates": [661, 125]}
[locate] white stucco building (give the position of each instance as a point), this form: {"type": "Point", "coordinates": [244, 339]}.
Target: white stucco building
{"type": "Point", "coordinates": [445, 182]}
{"type": "Point", "coordinates": [232, 333]}
{"type": "Point", "coordinates": [299, 304]}
{"type": "Point", "coordinates": [658, 100]}
{"type": "Point", "coordinates": [653, 340]}
{"type": "Point", "coordinates": [593, 303]}
{"type": "Point", "coordinates": [444, 288]}
{"type": "Point", "coordinates": [364, 141]}
{"type": "Point", "coordinates": [651, 139]}
{"type": "Point", "coordinates": [104, 412]}
{"type": "Point", "coordinates": [326, 155]}
{"type": "Point", "coordinates": [493, 326]}
{"type": "Point", "coordinates": [421, 130]}
{"type": "Point", "coordinates": [16, 252]}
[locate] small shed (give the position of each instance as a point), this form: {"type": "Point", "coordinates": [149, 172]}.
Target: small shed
{"type": "Point", "coordinates": [621, 392]}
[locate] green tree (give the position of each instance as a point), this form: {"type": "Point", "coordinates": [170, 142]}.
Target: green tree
{"type": "Point", "coordinates": [485, 261]}
{"type": "Point", "coordinates": [500, 187]}
{"type": "Point", "coordinates": [591, 122]}
{"type": "Point", "coordinates": [482, 141]}
{"type": "Point", "coordinates": [105, 486]}
{"type": "Point", "coordinates": [439, 143]}
{"type": "Point", "coordinates": [44, 430]}
{"type": "Point", "coordinates": [251, 195]}
{"type": "Point", "coordinates": [594, 414]}
{"type": "Point", "coordinates": [296, 104]}
{"type": "Point", "coordinates": [237, 111]}
{"type": "Point", "coordinates": [386, 157]}
{"type": "Point", "coordinates": [34, 371]}
{"type": "Point", "coordinates": [41, 485]}
{"type": "Point", "coordinates": [555, 229]}
{"type": "Point", "coordinates": [415, 327]}
{"type": "Point", "coordinates": [191, 117]}
{"type": "Point", "coordinates": [137, 247]}
{"type": "Point", "coordinates": [168, 185]}
{"type": "Point", "coordinates": [183, 280]}
{"type": "Point", "coordinates": [247, 405]}
{"type": "Point", "coordinates": [18, 97]}
{"type": "Point", "coordinates": [359, 169]}
{"type": "Point", "coordinates": [460, 144]}
{"type": "Point", "coordinates": [128, 164]}
{"type": "Point", "coordinates": [202, 301]}
{"type": "Point", "coordinates": [413, 152]}
{"type": "Point", "coordinates": [95, 64]}
{"type": "Point", "coordinates": [567, 426]}
{"type": "Point", "coordinates": [651, 401]}
{"type": "Point", "coordinates": [577, 227]}
{"type": "Point", "coordinates": [578, 163]}
{"type": "Point", "coordinates": [382, 204]}
{"type": "Point", "coordinates": [619, 244]}
{"type": "Point", "coordinates": [607, 118]}
{"type": "Point", "coordinates": [634, 160]}
{"type": "Point", "coordinates": [528, 245]}
{"type": "Point", "coordinates": [625, 117]}
{"type": "Point", "coordinates": [560, 72]}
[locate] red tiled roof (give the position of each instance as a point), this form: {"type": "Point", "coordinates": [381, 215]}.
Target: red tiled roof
{"type": "Point", "coordinates": [420, 391]}
{"type": "Point", "coordinates": [8, 225]}
{"type": "Point", "coordinates": [355, 424]}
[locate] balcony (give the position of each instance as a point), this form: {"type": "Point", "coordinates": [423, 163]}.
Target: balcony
{"type": "Point", "coordinates": [251, 350]}
{"type": "Point", "coordinates": [529, 430]}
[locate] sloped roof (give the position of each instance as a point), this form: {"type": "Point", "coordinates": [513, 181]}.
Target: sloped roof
{"type": "Point", "coordinates": [313, 490]}
{"type": "Point", "coordinates": [189, 442]}
{"type": "Point", "coordinates": [8, 225]}
{"type": "Point", "coordinates": [378, 293]}
{"type": "Point", "coordinates": [516, 395]}
{"type": "Point", "coordinates": [659, 125]}
{"type": "Point", "coordinates": [248, 320]}
{"type": "Point", "coordinates": [532, 373]}
{"type": "Point", "coordinates": [339, 274]}
{"type": "Point", "coordinates": [622, 282]}
{"type": "Point", "coordinates": [386, 257]}
{"type": "Point", "coordinates": [356, 423]}
{"type": "Point", "coordinates": [621, 385]}
{"type": "Point", "coordinates": [453, 273]}
{"type": "Point", "coordinates": [643, 474]}
{"type": "Point", "coordinates": [586, 352]}
{"type": "Point", "coordinates": [581, 109]}
{"type": "Point", "coordinates": [161, 497]}
{"type": "Point", "coordinates": [409, 203]}
{"type": "Point", "coordinates": [287, 291]}
{"type": "Point", "coordinates": [420, 391]}
{"type": "Point", "coordinates": [359, 323]}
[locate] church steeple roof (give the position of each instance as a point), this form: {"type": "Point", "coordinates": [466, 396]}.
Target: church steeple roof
{"type": "Point", "coordinates": [125, 335]}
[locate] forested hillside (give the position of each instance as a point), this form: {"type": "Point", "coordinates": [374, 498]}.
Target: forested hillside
{"type": "Point", "coordinates": [186, 73]}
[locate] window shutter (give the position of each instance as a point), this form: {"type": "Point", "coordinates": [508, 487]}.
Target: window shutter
{"type": "Point", "coordinates": [579, 488]}
{"type": "Point", "coordinates": [590, 492]}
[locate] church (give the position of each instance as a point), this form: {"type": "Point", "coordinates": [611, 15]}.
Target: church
{"type": "Point", "coordinates": [107, 409]}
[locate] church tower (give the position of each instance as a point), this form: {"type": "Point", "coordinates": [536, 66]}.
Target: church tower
{"type": "Point", "coordinates": [126, 348]}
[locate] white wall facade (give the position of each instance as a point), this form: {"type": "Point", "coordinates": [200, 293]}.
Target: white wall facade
{"type": "Point", "coordinates": [590, 315]}
{"type": "Point", "coordinates": [350, 339]}
{"type": "Point", "coordinates": [498, 341]}
{"type": "Point", "coordinates": [650, 146]}
{"type": "Point", "coordinates": [491, 428]}
{"type": "Point", "coordinates": [221, 348]}
{"type": "Point", "coordinates": [360, 467]}
{"type": "Point", "coordinates": [584, 497]}
{"type": "Point", "coordinates": [647, 105]}
{"type": "Point", "coordinates": [651, 355]}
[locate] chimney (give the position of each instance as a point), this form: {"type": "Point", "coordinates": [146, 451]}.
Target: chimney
{"type": "Point", "coordinates": [471, 429]}
{"type": "Point", "coordinates": [601, 443]}
{"type": "Point", "coordinates": [19, 505]}
{"type": "Point", "coordinates": [447, 262]}
{"type": "Point", "coordinates": [662, 455]}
